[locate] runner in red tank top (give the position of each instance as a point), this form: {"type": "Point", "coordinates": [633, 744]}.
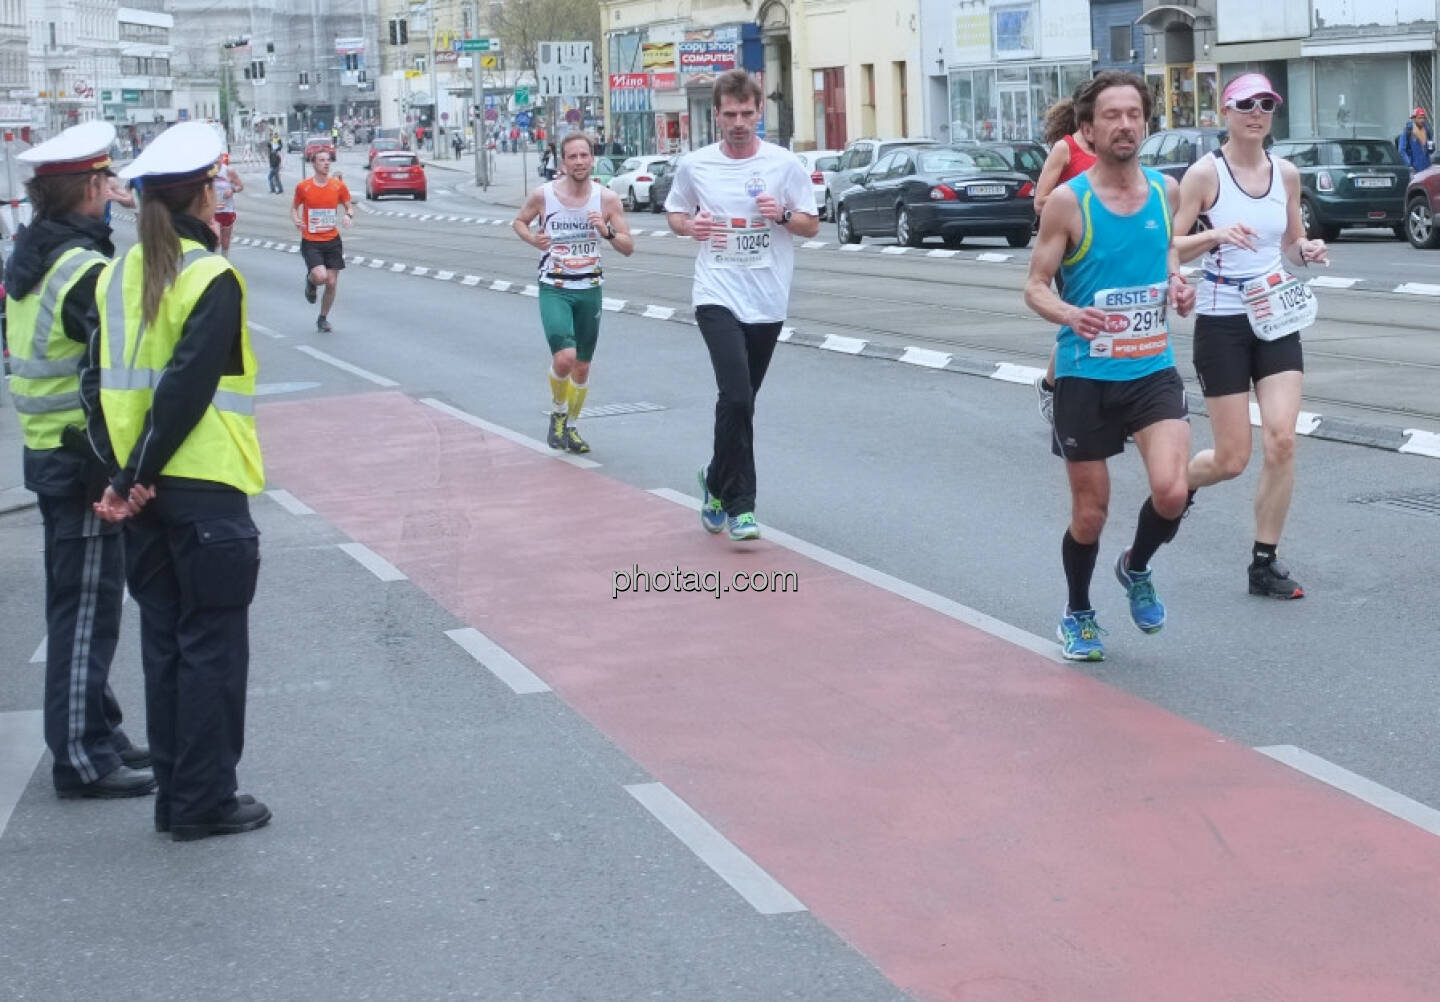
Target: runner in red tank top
{"type": "Point", "coordinates": [1069, 157]}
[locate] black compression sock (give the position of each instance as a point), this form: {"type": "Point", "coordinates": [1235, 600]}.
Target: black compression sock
{"type": "Point", "coordinates": [1263, 553]}
{"type": "Point", "coordinates": [1079, 561]}
{"type": "Point", "coordinates": [1152, 532]}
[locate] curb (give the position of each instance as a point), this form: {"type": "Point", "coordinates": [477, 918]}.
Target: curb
{"type": "Point", "coordinates": [1388, 438]}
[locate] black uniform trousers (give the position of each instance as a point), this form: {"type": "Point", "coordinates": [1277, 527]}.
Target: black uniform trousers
{"type": "Point", "coordinates": [740, 354]}
{"type": "Point", "coordinates": [84, 589]}
{"type": "Point", "coordinates": [192, 560]}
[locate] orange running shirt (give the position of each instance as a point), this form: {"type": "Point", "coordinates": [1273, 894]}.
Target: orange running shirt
{"type": "Point", "coordinates": [321, 214]}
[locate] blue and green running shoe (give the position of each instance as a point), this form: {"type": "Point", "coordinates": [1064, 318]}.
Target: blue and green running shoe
{"type": "Point", "coordinates": [1080, 636]}
{"type": "Point", "coordinates": [743, 527]}
{"type": "Point", "coordinates": [712, 512]}
{"type": "Point", "coordinates": [1147, 612]}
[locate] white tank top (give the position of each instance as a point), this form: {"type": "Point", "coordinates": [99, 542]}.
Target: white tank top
{"type": "Point", "coordinates": [573, 260]}
{"type": "Point", "coordinates": [1265, 215]}
{"type": "Point", "coordinates": [224, 193]}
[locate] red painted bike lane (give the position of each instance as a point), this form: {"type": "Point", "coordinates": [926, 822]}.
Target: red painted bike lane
{"type": "Point", "coordinates": [981, 823]}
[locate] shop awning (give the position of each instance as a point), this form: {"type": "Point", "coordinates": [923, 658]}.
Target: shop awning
{"type": "Point", "coordinates": [1165, 14]}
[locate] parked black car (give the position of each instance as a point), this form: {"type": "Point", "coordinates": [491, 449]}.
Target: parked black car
{"type": "Point", "coordinates": [1172, 151]}
{"type": "Point", "coordinates": [664, 176]}
{"type": "Point", "coordinates": [1347, 183]}
{"type": "Point", "coordinates": [952, 192]}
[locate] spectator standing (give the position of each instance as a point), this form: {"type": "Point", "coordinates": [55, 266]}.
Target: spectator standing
{"type": "Point", "coordinates": [1414, 141]}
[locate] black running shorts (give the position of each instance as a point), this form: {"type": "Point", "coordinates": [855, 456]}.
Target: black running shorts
{"type": "Point", "coordinates": [329, 254]}
{"type": "Point", "coordinates": [1093, 416]}
{"type": "Point", "coordinates": [1229, 357]}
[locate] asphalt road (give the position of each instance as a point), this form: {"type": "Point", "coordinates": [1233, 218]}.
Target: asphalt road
{"type": "Point", "coordinates": [370, 737]}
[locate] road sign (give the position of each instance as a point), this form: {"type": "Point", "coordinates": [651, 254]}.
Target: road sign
{"type": "Point", "coordinates": [477, 45]}
{"type": "Point", "coordinates": [522, 119]}
{"type": "Point", "coordinates": [566, 69]}
{"type": "Point", "coordinates": [489, 61]}
{"type": "Point", "coordinates": [522, 97]}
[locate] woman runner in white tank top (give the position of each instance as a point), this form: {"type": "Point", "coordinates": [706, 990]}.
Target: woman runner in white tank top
{"type": "Point", "coordinates": [1249, 312]}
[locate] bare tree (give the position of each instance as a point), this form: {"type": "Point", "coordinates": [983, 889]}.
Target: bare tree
{"type": "Point", "coordinates": [523, 24]}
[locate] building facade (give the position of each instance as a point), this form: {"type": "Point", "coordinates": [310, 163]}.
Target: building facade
{"type": "Point", "coordinates": [285, 64]}
{"type": "Point", "coordinates": [1006, 62]}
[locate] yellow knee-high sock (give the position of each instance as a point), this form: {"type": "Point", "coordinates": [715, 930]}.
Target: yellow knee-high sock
{"type": "Point", "coordinates": [576, 400]}
{"type": "Point", "coordinates": [559, 391]}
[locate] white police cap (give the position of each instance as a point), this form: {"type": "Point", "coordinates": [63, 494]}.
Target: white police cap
{"type": "Point", "coordinates": [187, 151]}
{"type": "Point", "coordinates": [80, 149]}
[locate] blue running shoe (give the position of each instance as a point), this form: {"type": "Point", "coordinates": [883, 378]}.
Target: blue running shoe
{"type": "Point", "coordinates": [1079, 636]}
{"type": "Point", "coordinates": [712, 512]}
{"type": "Point", "coordinates": [743, 527]}
{"type": "Point", "coordinates": [1147, 612]}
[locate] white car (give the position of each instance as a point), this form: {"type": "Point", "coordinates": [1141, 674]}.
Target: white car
{"type": "Point", "coordinates": [821, 166]}
{"type": "Point", "coordinates": [632, 181]}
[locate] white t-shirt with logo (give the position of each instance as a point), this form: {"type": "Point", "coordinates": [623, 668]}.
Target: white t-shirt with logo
{"type": "Point", "coordinates": [747, 264]}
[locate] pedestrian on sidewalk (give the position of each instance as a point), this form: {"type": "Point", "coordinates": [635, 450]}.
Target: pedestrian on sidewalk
{"type": "Point", "coordinates": [185, 457]}
{"type": "Point", "coordinates": [50, 282]}
{"type": "Point", "coordinates": [276, 188]}
{"type": "Point", "coordinates": [1414, 142]}
{"type": "Point", "coordinates": [755, 200]}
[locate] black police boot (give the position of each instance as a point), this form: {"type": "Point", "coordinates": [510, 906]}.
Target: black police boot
{"type": "Point", "coordinates": [247, 815]}
{"type": "Point", "coordinates": [123, 782]}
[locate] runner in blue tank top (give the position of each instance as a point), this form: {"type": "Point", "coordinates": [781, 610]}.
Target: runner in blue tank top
{"type": "Point", "coordinates": [1108, 232]}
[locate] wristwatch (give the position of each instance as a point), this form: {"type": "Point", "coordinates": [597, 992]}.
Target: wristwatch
{"type": "Point", "coordinates": [786, 217]}
{"type": "Point", "coordinates": [610, 232]}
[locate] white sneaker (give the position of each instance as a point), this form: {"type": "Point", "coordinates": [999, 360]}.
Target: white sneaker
{"type": "Point", "coordinates": [1046, 400]}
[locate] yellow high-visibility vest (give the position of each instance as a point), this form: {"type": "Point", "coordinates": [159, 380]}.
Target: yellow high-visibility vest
{"type": "Point", "coordinates": [44, 363]}
{"type": "Point", "coordinates": [223, 447]}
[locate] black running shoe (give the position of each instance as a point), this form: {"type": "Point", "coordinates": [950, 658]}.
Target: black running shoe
{"type": "Point", "coordinates": [555, 434]}
{"type": "Point", "coordinates": [309, 290]}
{"type": "Point", "coordinates": [574, 442]}
{"type": "Point", "coordinates": [322, 325]}
{"type": "Point", "coordinates": [1270, 579]}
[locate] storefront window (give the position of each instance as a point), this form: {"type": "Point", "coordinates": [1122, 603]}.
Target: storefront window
{"type": "Point", "coordinates": [1182, 96]}
{"type": "Point", "coordinates": [985, 105]}
{"type": "Point", "coordinates": [1071, 77]}
{"type": "Point", "coordinates": [1156, 81]}
{"type": "Point", "coordinates": [1044, 92]}
{"type": "Point", "coordinates": [1207, 96]}
{"type": "Point", "coordinates": [1360, 96]}
{"type": "Point", "coordinates": [962, 107]}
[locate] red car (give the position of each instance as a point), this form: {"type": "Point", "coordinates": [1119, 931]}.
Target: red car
{"type": "Point", "coordinates": [396, 172]}
{"type": "Point", "coordinates": [315, 144]}
{"type": "Point", "coordinates": [383, 145]}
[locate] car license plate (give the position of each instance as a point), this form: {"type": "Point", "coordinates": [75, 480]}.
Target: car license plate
{"type": "Point", "coordinates": [986, 190]}
{"type": "Point", "coordinates": [1372, 182]}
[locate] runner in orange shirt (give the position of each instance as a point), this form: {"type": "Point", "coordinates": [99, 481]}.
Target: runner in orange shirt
{"type": "Point", "coordinates": [320, 204]}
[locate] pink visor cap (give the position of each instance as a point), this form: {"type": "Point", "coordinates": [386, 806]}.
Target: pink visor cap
{"type": "Point", "coordinates": [1249, 85]}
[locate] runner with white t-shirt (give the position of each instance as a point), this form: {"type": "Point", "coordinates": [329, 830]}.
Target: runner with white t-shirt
{"type": "Point", "coordinates": [746, 201]}
{"type": "Point", "coordinates": [1250, 311]}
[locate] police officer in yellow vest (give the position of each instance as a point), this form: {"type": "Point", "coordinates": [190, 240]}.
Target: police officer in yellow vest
{"type": "Point", "coordinates": [50, 283]}
{"type": "Point", "coordinates": [177, 395]}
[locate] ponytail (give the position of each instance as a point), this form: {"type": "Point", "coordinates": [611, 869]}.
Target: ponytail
{"type": "Point", "coordinates": [159, 243]}
{"type": "Point", "coordinates": [1060, 121]}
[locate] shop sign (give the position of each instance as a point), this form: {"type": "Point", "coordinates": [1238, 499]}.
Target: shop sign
{"type": "Point", "coordinates": [658, 56]}
{"type": "Point", "coordinates": [629, 81]}
{"type": "Point", "coordinates": [130, 96]}
{"type": "Point", "coordinates": [708, 51]}
{"type": "Point", "coordinates": [666, 81]}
